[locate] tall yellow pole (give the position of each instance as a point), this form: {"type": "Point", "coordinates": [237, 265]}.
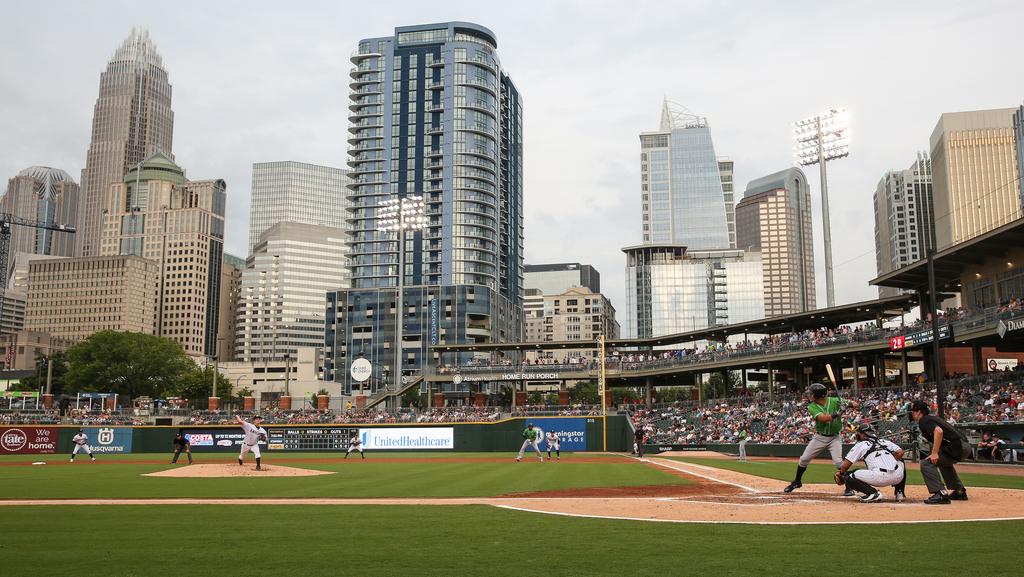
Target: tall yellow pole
{"type": "Point", "coordinates": [604, 402]}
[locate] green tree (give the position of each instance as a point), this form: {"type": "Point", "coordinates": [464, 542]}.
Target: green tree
{"type": "Point", "coordinates": [585, 393]}
{"type": "Point", "coordinates": [716, 388]}
{"type": "Point", "coordinates": [132, 364]}
{"type": "Point", "coordinates": [197, 384]}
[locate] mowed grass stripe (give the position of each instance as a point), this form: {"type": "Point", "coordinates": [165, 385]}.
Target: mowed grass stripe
{"type": "Point", "coordinates": [306, 541]}
{"type": "Point", "coordinates": [353, 478]}
{"type": "Point", "coordinates": [822, 472]}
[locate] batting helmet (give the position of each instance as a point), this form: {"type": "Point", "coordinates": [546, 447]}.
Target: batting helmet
{"type": "Point", "coordinates": [818, 390]}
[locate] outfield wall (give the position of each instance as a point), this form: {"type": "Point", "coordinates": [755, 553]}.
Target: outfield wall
{"type": "Point", "coordinates": [575, 433]}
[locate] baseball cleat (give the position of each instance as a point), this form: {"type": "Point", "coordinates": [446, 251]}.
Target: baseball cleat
{"type": "Point", "coordinates": [958, 495]}
{"type": "Point", "coordinates": [792, 487]}
{"type": "Point", "coordinates": [849, 493]}
{"type": "Point", "coordinates": [937, 499]}
{"type": "Point", "coordinates": [876, 496]}
{"type": "Point", "coordinates": [900, 496]}
{"type": "Point", "coordinates": [517, 459]}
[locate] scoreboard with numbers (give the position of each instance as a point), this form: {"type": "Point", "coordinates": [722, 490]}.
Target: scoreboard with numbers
{"type": "Point", "coordinates": [310, 438]}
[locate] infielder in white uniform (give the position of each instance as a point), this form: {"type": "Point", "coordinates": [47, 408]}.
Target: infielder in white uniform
{"type": "Point", "coordinates": [553, 443]}
{"type": "Point", "coordinates": [355, 444]}
{"type": "Point", "coordinates": [884, 461]}
{"type": "Point", "coordinates": [254, 433]}
{"type": "Point", "coordinates": [81, 445]}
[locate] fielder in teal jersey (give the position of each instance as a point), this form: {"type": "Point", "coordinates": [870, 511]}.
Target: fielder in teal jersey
{"type": "Point", "coordinates": [530, 438]}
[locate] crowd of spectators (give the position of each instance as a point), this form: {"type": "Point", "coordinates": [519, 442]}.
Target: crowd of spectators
{"type": "Point", "coordinates": [577, 410]}
{"type": "Point", "coordinates": [369, 416]}
{"type": "Point", "coordinates": [996, 398]}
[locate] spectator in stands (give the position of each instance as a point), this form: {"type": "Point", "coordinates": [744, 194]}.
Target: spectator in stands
{"type": "Point", "coordinates": [986, 447]}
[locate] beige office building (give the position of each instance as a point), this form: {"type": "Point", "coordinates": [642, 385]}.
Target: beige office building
{"type": "Point", "coordinates": [575, 315]}
{"type": "Point", "coordinates": [774, 218]}
{"type": "Point", "coordinates": [974, 174]}
{"type": "Point", "coordinates": [158, 214]}
{"type": "Point", "coordinates": [26, 348]}
{"type": "Point", "coordinates": [72, 298]}
{"type": "Point", "coordinates": [132, 119]}
{"type": "Point", "coordinates": [230, 289]}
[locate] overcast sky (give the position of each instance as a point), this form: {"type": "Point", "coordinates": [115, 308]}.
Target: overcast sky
{"type": "Point", "coordinates": [258, 81]}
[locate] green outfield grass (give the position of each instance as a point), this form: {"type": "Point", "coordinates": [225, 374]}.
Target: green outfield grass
{"type": "Point", "coordinates": [378, 476]}
{"type": "Point", "coordinates": [822, 472]}
{"type": "Point", "coordinates": [305, 541]}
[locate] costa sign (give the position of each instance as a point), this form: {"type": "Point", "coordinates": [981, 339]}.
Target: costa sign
{"type": "Point", "coordinates": [28, 440]}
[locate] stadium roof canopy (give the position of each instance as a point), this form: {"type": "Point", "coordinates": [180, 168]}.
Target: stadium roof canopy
{"type": "Point", "coordinates": [952, 263]}
{"type": "Point", "coordinates": [831, 317]}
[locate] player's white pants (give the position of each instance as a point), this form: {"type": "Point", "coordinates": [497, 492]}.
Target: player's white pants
{"type": "Point", "coordinates": [554, 447]}
{"type": "Point", "coordinates": [246, 448]}
{"type": "Point", "coordinates": [743, 448]}
{"type": "Point", "coordinates": [818, 444]}
{"type": "Point", "coordinates": [880, 478]}
{"type": "Point", "coordinates": [528, 443]}
{"type": "Point", "coordinates": [354, 448]}
{"type": "Point", "coordinates": [81, 449]}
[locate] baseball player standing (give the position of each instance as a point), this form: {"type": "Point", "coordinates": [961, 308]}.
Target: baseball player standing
{"type": "Point", "coordinates": [81, 445]}
{"type": "Point", "coordinates": [181, 443]}
{"type": "Point", "coordinates": [744, 436]}
{"type": "Point", "coordinates": [638, 440]}
{"type": "Point", "coordinates": [530, 438]}
{"type": "Point", "coordinates": [553, 443]}
{"type": "Point", "coordinates": [254, 433]}
{"type": "Point", "coordinates": [355, 444]}
{"type": "Point", "coordinates": [884, 462]}
{"type": "Point", "coordinates": [825, 411]}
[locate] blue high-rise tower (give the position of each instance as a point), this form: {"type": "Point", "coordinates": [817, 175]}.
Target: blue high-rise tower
{"type": "Point", "coordinates": [432, 114]}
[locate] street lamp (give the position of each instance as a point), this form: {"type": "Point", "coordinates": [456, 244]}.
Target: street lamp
{"type": "Point", "coordinates": [400, 215]}
{"type": "Point", "coordinates": [816, 140]}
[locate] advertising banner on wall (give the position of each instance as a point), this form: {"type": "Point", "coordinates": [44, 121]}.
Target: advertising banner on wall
{"type": "Point", "coordinates": [571, 432]}
{"type": "Point", "coordinates": [408, 439]}
{"type": "Point", "coordinates": [109, 439]}
{"type": "Point", "coordinates": [215, 439]}
{"type": "Point", "coordinates": [28, 440]}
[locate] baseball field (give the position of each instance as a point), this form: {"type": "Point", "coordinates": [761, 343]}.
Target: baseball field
{"type": "Point", "coordinates": [484, 514]}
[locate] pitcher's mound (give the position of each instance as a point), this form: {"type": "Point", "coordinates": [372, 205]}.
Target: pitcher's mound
{"type": "Point", "coordinates": [247, 470]}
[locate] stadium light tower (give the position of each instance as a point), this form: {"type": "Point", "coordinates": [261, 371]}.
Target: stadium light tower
{"type": "Point", "coordinates": [400, 216]}
{"type": "Point", "coordinates": [817, 140]}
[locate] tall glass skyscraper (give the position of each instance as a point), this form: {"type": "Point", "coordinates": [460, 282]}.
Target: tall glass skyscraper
{"type": "Point", "coordinates": [434, 115]}
{"type": "Point", "coordinates": [289, 191]}
{"type": "Point", "coordinates": [681, 184]}
{"type": "Point", "coordinates": [42, 194]}
{"type": "Point", "coordinates": [904, 218]}
{"type": "Point", "coordinates": [131, 121]}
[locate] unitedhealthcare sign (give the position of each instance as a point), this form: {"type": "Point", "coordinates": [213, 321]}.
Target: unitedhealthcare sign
{"type": "Point", "coordinates": [406, 439]}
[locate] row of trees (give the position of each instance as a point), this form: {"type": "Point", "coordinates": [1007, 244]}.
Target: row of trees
{"type": "Point", "coordinates": [129, 364]}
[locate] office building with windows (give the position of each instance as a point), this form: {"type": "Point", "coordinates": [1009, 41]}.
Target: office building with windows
{"type": "Point", "coordinates": [725, 172]}
{"type": "Point", "coordinates": [230, 289]}
{"type": "Point", "coordinates": [1018, 133]}
{"type": "Point", "coordinates": [774, 218]}
{"type": "Point", "coordinates": [158, 214]}
{"type": "Point", "coordinates": [132, 120]}
{"type": "Point", "coordinates": [47, 196]}
{"type": "Point", "coordinates": [671, 289]}
{"type": "Point", "coordinates": [552, 279]}
{"type": "Point", "coordinates": [283, 289]}
{"type": "Point", "coordinates": [289, 191]}
{"type": "Point", "coordinates": [974, 174]}
{"type": "Point", "coordinates": [681, 190]}
{"type": "Point", "coordinates": [577, 314]}
{"type": "Point", "coordinates": [904, 218]}
{"type": "Point", "coordinates": [433, 115]}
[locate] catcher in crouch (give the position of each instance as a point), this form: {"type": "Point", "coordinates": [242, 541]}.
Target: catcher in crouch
{"type": "Point", "coordinates": [885, 467]}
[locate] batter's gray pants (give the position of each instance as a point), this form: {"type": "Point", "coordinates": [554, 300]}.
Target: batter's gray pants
{"type": "Point", "coordinates": [819, 443]}
{"type": "Point", "coordinates": [743, 449]}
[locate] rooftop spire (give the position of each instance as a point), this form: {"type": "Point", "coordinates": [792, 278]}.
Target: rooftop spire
{"type": "Point", "coordinates": [139, 48]}
{"type": "Point", "coordinates": [675, 115]}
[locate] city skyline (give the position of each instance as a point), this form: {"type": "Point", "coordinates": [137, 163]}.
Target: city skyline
{"type": "Point", "coordinates": [581, 172]}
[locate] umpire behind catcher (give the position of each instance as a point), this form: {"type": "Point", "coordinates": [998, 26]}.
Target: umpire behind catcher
{"type": "Point", "coordinates": [948, 447]}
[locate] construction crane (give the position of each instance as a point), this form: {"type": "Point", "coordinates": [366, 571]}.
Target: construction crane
{"type": "Point", "coordinates": [6, 221]}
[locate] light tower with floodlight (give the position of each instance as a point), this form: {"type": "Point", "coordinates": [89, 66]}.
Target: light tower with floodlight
{"type": "Point", "coordinates": [817, 140]}
{"type": "Point", "coordinates": [400, 216]}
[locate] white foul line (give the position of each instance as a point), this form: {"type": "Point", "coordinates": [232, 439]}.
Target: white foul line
{"type": "Point", "coordinates": [708, 477]}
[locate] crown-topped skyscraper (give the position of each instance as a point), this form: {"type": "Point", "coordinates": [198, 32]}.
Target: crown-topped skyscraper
{"type": "Point", "coordinates": [131, 121]}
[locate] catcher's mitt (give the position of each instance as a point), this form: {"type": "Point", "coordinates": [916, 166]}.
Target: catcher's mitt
{"type": "Point", "coordinates": [839, 477]}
